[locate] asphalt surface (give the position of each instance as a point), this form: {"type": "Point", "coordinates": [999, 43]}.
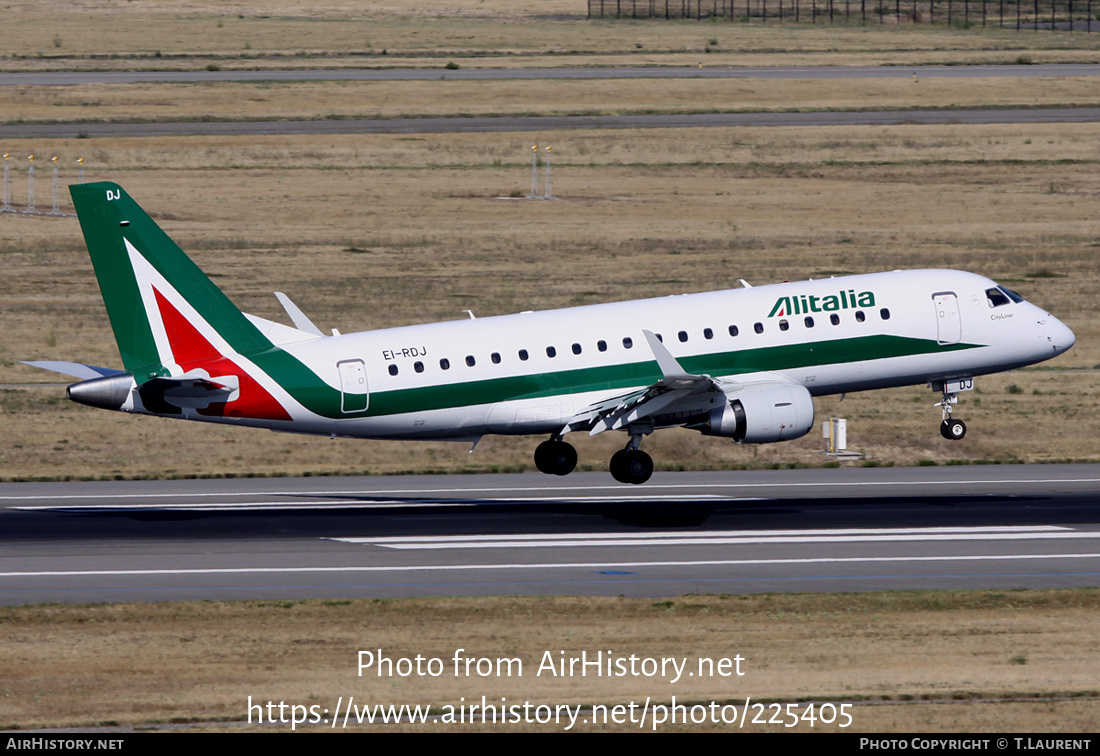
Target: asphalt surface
{"type": "Point", "coordinates": [730, 532]}
{"type": "Point", "coordinates": [77, 78]}
{"type": "Point", "coordinates": [548, 123]}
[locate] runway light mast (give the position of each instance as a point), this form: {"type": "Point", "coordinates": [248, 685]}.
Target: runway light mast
{"type": "Point", "coordinates": [534, 171]}
{"type": "Point", "coordinates": [30, 184]}
{"type": "Point", "coordinates": [56, 199]}
{"type": "Point", "coordinates": [7, 185]}
{"type": "Point", "coordinates": [547, 195]}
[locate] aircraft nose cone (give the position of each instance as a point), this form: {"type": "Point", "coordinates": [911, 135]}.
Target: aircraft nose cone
{"type": "Point", "coordinates": [1059, 335]}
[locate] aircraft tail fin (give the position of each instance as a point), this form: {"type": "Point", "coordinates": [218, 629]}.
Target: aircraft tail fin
{"type": "Point", "coordinates": [165, 312]}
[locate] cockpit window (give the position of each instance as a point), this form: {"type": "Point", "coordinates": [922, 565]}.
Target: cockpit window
{"type": "Point", "coordinates": [996, 297]}
{"type": "Point", "coordinates": [1011, 294]}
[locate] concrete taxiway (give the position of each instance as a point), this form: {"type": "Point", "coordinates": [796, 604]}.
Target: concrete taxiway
{"type": "Point", "coordinates": [720, 532]}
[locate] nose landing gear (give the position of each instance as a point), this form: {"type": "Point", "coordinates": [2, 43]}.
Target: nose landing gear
{"type": "Point", "coordinates": [951, 428]}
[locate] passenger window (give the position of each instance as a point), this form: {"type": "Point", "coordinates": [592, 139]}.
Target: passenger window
{"type": "Point", "coordinates": [885, 313]}
{"type": "Point", "coordinates": [708, 334]}
{"type": "Point", "coordinates": [495, 357]}
{"type": "Point", "coordinates": [601, 345]}
{"type": "Point", "coordinates": [660, 338]}
{"type": "Point", "coordinates": [470, 360]}
{"type": "Point", "coordinates": [783, 325]}
{"type": "Point", "coordinates": [682, 336]}
{"type": "Point", "coordinates": [860, 317]}
{"type": "Point", "coordinates": [759, 328]}
{"type": "Point", "coordinates": [576, 349]}
{"type": "Point", "coordinates": [523, 355]}
{"type": "Point", "coordinates": [393, 369]}
{"type": "Point", "coordinates": [809, 322]}
{"type": "Point", "coordinates": [418, 367]}
{"type": "Point", "coordinates": [445, 364]}
{"type": "Point", "coordinates": [834, 319]}
{"type": "Point", "coordinates": [627, 342]}
{"type": "Point", "coordinates": [733, 330]}
{"type": "Point", "coordinates": [551, 352]}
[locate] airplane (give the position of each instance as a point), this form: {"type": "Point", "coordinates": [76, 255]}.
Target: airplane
{"type": "Point", "coordinates": [743, 364]}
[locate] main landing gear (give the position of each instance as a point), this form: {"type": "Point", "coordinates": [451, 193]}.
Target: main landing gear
{"type": "Point", "coordinates": [951, 428]}
{"type": "Point", "coordinates": [629, 465]}
{"type": "Point", "coordinates": [555, 457]}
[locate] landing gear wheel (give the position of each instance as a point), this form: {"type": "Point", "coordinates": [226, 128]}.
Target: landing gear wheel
{"type": "Point", "coordinates": [631, 466]}
{"type": "Point", "coordinates": [555, 457]}
{"type": "Point", "coordinates": [953, 429]}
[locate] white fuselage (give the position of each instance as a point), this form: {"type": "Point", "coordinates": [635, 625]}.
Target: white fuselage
{"type": "Point", "coordinates": [530, 372]}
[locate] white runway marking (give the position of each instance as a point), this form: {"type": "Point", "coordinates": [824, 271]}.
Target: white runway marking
{"type": "Point", "coordinates": [722, 538]}
{"type": "Point", "coordinates": [544, 566]}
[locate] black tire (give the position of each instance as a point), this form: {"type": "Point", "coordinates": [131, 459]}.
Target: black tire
{"type": "Point", "coordinates": [618, 466]}
{"type": "Point", "coordinates": [555, 458]}
{"type": "Point", "coordinates": [953, 430]}
{"type": "Point", "coordinates": [631, 466]}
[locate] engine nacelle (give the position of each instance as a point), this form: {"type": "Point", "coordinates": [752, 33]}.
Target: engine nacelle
{"type": "Point", "coordinates": [110, 392]}
{"type": "Point", "coordinates": [762, 414]}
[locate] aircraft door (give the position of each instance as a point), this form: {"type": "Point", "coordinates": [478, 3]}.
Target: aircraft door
{"type": "Point", "coordinates": [948, 319]}
{"type": "Point", "coordinates": [354, 396]}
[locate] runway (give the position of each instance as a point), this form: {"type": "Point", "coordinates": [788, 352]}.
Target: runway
{"type": "Point", "coordinates": [87, 78]}
{"type": "Point", "coordinates": [829, 530]}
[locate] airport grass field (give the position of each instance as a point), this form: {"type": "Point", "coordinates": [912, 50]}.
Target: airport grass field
{"type": "Point", "coordinates": [369, 232]}
{"type": "Point", "coordinates": [958, 661]}
{"type": "Point", "coordinates": [372, 231]}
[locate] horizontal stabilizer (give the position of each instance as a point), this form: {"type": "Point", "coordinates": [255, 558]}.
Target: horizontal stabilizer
{"type": "Point", "coordinates": [75, 369]}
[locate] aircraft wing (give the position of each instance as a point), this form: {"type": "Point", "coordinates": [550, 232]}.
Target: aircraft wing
{"type": "Point", "coordinates": [677, 392]}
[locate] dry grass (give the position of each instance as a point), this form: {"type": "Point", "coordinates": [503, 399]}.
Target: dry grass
{"type": "Point", "coordinates": [68, 34]}
{"type": "Point", "coordinates": [79, 665]}
{"type": "Point", "coordinates": [382, 99]}
{"type": "Point", "coordinates": [377, 231]}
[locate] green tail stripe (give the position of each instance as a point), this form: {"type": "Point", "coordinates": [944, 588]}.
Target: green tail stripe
{"type": "Point", "coordinates": [102, 209]}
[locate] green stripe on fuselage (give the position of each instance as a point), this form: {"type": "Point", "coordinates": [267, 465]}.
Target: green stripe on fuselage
{"type": "Point", "coordinates": [323, 400]}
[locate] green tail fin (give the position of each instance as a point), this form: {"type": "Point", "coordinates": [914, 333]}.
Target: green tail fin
{"type": "Point", "coordinates": [137, 265]}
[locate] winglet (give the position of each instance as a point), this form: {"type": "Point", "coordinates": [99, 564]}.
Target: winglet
{"type": "Point", "coordinates": [669, 366]}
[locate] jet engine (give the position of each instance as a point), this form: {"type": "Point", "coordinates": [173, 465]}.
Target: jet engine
{"type": "Point", "coordinates": [762, 413]}
{"type": "Point", "coordinates": [109, 392]}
